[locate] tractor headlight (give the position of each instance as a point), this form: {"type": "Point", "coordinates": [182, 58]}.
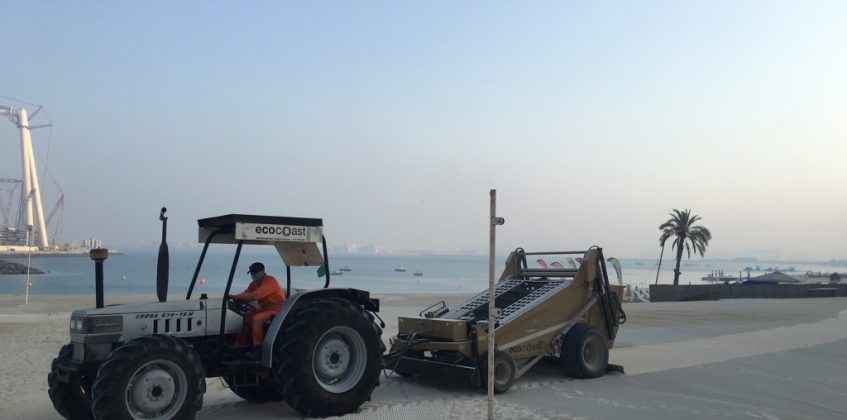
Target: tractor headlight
{"type": "Point", "coordinates": [105, 324]}
{"type": "Point", "coordinates": [78, 324]}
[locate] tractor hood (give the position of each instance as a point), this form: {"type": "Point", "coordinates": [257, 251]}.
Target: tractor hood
{"type": "Point", "coordinates": [151, 307]}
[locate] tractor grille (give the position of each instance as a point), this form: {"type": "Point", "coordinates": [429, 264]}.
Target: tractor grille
{"type": "Point", "coordinates": [172, 326]}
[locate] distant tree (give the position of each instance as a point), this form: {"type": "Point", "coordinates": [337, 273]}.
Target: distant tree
{"type": "Point", "coordinates": [835, 278]}
{"type": "Point", "coordinates": [685, 235]}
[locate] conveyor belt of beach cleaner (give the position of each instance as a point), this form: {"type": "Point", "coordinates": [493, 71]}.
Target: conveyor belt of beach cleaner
{"type": "Point", "coordinates": [513, 297]}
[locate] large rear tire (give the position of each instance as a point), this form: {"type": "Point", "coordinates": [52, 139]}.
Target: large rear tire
{"type": "Point", "coordinates": [585, 353]}
{"type": "Point", "coordinates": [153, 377]}
{"type": "Point", "coordinates": [328, 358]}
{"type": "Point", "coordinates": [266, 390]}
{"type": "Point", "coordinates": [70, 399]}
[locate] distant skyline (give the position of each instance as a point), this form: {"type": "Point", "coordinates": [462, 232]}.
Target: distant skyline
{"type": "Point", "coordinates": [391, 121]}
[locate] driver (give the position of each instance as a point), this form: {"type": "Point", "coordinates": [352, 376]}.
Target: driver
{"type": "Point", "coordinates": [264, 293]}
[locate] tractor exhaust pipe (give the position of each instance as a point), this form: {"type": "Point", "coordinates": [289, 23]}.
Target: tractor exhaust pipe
{"type": "Point", "coordinates": [163, 263]}
{"type": "Point", "coordinates": [98, 255]}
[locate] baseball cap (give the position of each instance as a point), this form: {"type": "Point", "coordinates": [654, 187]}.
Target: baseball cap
{"type": "Point", "coordinates": [256, 267]}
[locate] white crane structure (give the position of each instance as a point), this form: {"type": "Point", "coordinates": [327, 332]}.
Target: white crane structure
{"type": "Point", "coordinates": [31, 194]}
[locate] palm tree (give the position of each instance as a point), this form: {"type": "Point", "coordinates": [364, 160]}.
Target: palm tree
{"type": "Point", "coordinates": [686, 234]}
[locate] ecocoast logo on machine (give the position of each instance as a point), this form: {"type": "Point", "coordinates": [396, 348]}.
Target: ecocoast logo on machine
{"type": "Point", "coordinates": [260, 231]}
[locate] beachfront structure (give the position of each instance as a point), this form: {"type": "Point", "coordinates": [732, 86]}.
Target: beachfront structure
{"type": "Point", "coordinates": [777, 277]}
{"type": "Point", "coordinates": [33, 212]}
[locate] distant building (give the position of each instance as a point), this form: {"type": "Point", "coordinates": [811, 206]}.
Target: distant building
{"type": "Point", "coordinates": [92, 243]}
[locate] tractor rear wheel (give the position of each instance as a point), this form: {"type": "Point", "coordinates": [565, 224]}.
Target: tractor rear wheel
{"type": "Point", "coordinates": [504, 372]}
{"type": "Point", "coordinates": [153, 377]}
{"type": "Point", "coordinates": [585, 353]}
{"type": "Point", "coordinates": [70, 399]}
{"type": "Point", "coordinates": [266, 390]}
{"type": "Point", "coordinates": [329, 358]}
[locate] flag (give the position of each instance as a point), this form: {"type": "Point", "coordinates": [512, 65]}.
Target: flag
{"type": "Point", "coordinates": [617, 265]}
{"type": "Point", "coordinates": [571, 262]}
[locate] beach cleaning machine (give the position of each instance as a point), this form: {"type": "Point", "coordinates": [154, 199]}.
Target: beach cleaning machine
{"type": "Point", "coordinates": [572, 314]}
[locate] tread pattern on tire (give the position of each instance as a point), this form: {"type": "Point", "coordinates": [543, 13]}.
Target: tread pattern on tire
{"type": "Point", "coordinates": [293, 350]}
{"type": "Point", "coordinates": [571, 356]}
{"type": "Point", "coordinates": [67, 397]}
{"type": "Point", "coordinates": [108, 402]}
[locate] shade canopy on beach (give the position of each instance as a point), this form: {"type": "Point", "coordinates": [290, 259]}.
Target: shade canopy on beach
{"type": "Point", "coordinates": [775, 277]}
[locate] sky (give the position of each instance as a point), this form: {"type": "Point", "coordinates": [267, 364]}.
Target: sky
{"type": "Point", "coordinates": [393, 120]}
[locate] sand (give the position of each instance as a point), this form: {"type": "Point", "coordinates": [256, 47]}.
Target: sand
{"type": "Point", "coordinates": [772, 359]}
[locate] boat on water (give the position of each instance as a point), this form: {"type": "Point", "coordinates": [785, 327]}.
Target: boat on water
{"type": "Point", "coordinates": [719, 279]}
{"type": "Point", "coordinates": [400, 269]}
{"type": "Point", "coordinates": [418, 273]}
{"type": "Point", "coordinates": [345, 268]}
{"type": "Point", "coordinates": [718, 276]}
{"type": "Point", "coordinates": [337, 272]}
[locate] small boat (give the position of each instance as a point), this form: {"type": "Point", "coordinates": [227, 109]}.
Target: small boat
{"type": "Point", "coordinates": [337, 272]}
{"type": "Point", "coordinates": [418, 273]}
{"type": "Point", "coordinates": [717, 276]}
{"type": "Point", "coordinates": [345, 268]}
{"type": "Point", "coordinates": [400, 269]}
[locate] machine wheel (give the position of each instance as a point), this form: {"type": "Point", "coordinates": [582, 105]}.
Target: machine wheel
{"type": "Point", "coordinates": [265, 391]}
{"type": "Point", "coordinates": [329, 358]}
{"type": "Point", "coordinates": [153, 377]}
{"type": "Point", "coordinates": [70, 399]}
{"type": "Point", "coordinates": [584, 352]}
{"type": "Point", "coordinates": [504, 372]}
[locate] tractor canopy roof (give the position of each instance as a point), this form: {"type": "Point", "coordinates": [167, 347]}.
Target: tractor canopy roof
{"type": "Point", "coordinates": [295, 238]}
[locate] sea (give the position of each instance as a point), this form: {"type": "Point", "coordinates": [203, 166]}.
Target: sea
{"type": "Point", "coordinates": [134, 272]}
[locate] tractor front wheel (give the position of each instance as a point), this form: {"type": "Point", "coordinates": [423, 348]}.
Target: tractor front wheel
{"type": "Point", "coordinates": [153, 377]}
{"type": "Point", "coordinates": [70, 399]}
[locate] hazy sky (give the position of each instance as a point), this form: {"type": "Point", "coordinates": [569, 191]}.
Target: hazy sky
{"type": "Point", "coordinates": [392, 120]}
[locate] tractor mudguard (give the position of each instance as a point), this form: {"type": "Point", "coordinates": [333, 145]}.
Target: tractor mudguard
{"type": "Point", "coordinates": [296, 301]}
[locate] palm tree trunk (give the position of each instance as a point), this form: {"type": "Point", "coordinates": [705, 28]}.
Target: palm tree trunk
{"type": "Point", "coordinates": [676, 272]}
{"type": "Point", "coordinates": [660, 263]}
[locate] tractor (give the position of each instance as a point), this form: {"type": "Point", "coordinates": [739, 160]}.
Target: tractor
{"type": "Point", "coordinates": [322, 352]}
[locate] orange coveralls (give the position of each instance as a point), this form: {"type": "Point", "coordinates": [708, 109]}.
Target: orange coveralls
{"type": "Point", "coordinates": [270, 297]}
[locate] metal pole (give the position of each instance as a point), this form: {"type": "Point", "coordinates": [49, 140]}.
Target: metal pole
{"type": "Point", "coordinates": [28, 263]}
{"type": "Point", "coordinates": [660, 263]}
{"type": "Point", "coordinates": [493, 221]}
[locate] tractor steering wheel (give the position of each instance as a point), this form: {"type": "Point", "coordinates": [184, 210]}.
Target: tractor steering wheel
{"type": "Point", "coordinates": [241, 308]}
